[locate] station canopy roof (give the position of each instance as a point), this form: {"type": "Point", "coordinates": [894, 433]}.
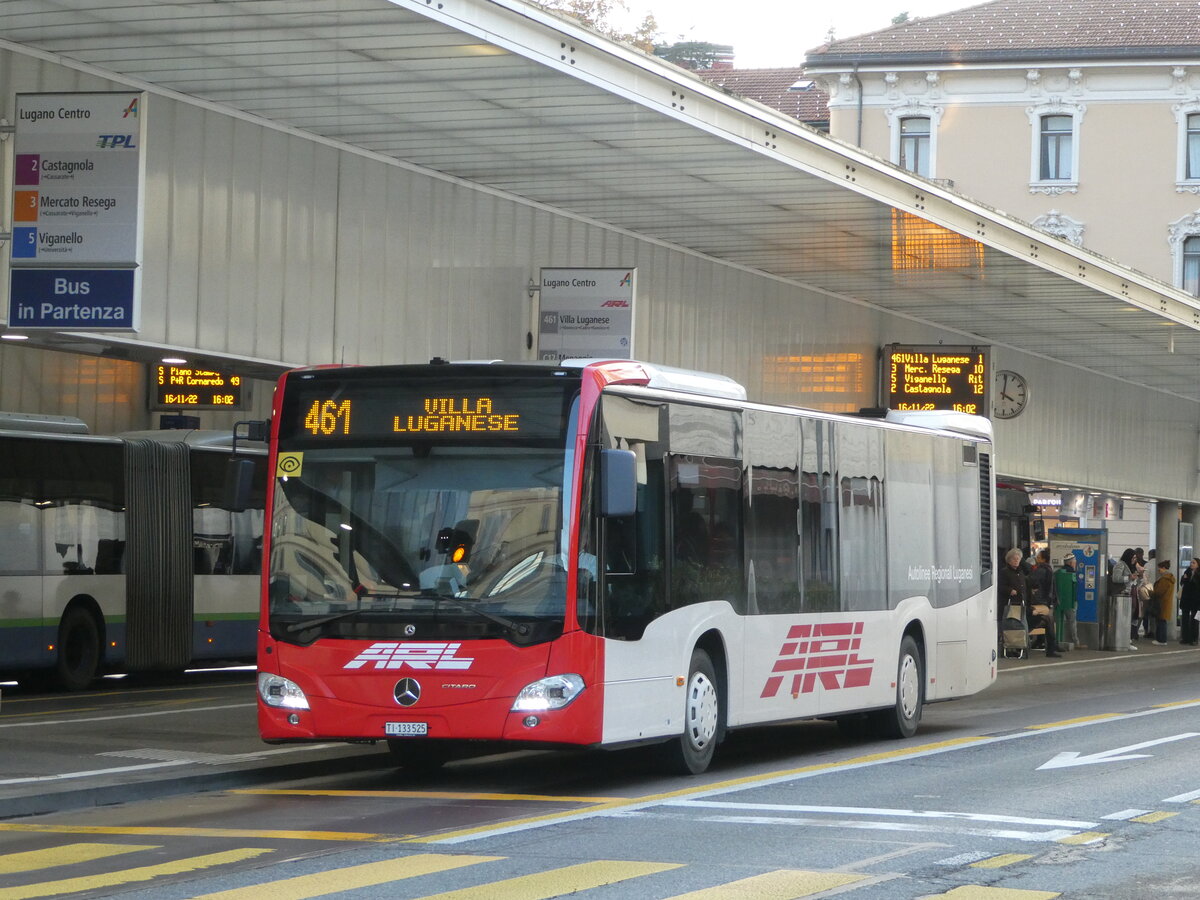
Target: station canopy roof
{"type": "Point", "coordinates": [515, 98]}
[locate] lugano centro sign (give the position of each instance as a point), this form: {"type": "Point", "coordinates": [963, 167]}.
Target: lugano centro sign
{"type": "Point", "coordinates": [76, 211]}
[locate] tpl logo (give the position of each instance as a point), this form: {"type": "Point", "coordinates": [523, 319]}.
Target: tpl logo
{"type": "Point", "coordinates": [623, 304]}
{"type": "Point", "coordinates": [827, 653]}
{"type": "Point", "coordinates": [430, 655]}
{"type": "Point", "coordinates": [116, 142]}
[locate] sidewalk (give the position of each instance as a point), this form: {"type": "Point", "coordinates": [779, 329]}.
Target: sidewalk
{"type": "Point", "coordinates": [1145, 650]}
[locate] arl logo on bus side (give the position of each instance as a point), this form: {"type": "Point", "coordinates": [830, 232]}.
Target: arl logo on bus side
{"type": "Point", "coordinates": [428, 656]}
{"type": "Point", "coordinates": [825, 653]}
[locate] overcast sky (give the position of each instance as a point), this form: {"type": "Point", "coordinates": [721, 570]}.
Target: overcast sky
{"type": "Point", "coordinates": [776, 33]}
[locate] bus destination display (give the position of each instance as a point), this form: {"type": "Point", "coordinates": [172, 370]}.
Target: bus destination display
{"type": "Point", "coordinates": [935, 377]}
{"type": "Point", "coordinates": [423, 411]}
{"type": "Point", "coordinates": [185, 387]}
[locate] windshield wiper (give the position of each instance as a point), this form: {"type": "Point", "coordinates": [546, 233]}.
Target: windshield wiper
{"type": "Point", "coordinates": [306, 624]}
{"type": "Point", "coordinates": [517, 628]}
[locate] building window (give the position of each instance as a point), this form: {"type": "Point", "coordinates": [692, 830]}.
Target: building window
{"type": "Point", "coordinates": [1056, 149]}
{"type": "Point", "coordinates": [914, 144]}
{"type": "Point", "coordinates": [1193, 146]}
{"type": "Point", "coordinates": [1191, 265]}
{"type": "Point", "coordinates": [1054, 166]}
{"type": "Point", "coordinates": [1187, 165]}
{"type": "Point", "coordinates": [914, 129]}
{"type": "Point", "coordinates": [1183, 235]}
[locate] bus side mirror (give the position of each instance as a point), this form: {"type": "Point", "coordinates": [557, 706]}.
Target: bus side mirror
{"type": "Point", "coordinates": [618, 483]}
{"type": "Point", "coordinates": [239, 483]}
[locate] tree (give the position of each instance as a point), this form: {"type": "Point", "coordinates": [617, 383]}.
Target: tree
{"type": "Point", "coordinates": [900, 18]}
{"type": "Point", "coordinates": [695, 55]}
{"type": "Point", "coordinates": [598, 15]}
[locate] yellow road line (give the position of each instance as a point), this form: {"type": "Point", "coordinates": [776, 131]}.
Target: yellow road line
{"type": "Point", "coordinates": [999, 862]}
{"type": "Point", "coordinates": [1084, 837]}
{"type": "Point", "coordinates": [701, 789]}
{"type": "Point", "coordinates": [1151, 818]}
{"type": "Point", "coordinates": [30, 860]}
{"type": "Point", "coordinates": [557, 882]}
{"type": "Point", "coordinates": [167, 831]}
{"type": "Point", "coordinates": [127, 876]}
{"type": "Point", "coordinates": [334, 881]}
{"type": "Point", "coordinates": [979, 892]}
{"type": "Point", "coordinates": [426, 795]}
{"type": "Point", "coordinates": [1079, 721]}
{"type": "Point", "coordinates": [784, 884]}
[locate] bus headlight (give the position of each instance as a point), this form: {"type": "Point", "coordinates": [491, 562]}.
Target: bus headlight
{"type": "Point", "coordinates": [554, 692]}
{"type": "Point", "coordinates": [278, 691]}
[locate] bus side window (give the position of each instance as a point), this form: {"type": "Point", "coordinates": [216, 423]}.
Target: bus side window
{"type": "Point", "coordinates": [633, 598]}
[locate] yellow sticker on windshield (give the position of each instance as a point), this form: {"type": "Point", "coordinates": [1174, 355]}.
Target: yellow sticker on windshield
{"type": "Point", "coordinates": [289, 465]}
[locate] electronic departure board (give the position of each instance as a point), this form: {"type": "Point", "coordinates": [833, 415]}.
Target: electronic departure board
{"type": "Point", "coordinates": [423, 410]}
{"type": "Point", "coordinates": [936, 377]}
{"type": "Point", "coordinates": [187, 387]}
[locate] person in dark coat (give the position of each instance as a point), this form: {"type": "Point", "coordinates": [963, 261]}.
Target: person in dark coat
{"type": "Point", "coordinates": [1013, 586]}
{"type": "Point", "coordinates": [1189, 603]}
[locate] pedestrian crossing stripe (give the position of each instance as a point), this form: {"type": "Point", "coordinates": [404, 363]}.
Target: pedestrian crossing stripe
{"type": "Point", "coordinates": [128, 876]}
{"type": "Point", "coordinates": [69, 854]}
{"type": "Point", "coordinates": [333, 881]}
{"type": "Point", "coordinates": [781, 884]}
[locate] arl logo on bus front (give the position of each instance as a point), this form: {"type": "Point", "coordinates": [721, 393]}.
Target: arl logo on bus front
{"type": "Point", "coordinates": [825, 653]}
{"type": "Point", "coordinates": [428, 656]}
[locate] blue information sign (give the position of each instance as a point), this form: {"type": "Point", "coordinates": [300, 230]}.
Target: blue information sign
{"type": "Point", "coordinates": [65, 299]}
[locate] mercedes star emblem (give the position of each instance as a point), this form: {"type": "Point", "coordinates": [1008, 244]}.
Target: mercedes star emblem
{"type": "Point", "coordinates": [407, 691]}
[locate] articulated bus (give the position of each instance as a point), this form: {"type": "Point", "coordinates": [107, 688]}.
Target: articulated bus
{"type": "Point", "coordinates": [119, 552]}
{"type": "Point", "coordinates": [608, 554]}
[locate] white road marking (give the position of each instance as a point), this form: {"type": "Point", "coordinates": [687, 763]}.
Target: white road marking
{"type": "Point", "coordinates": [1184, 798]}
{"type": "Point", "coordinates": [1126, 814]}
{"type": "Point", "coordinates": [1070, 758]}
{"type": "Point", "coordinates": [95, 773]}
{"type": "Point", "coordinates": [1007, 834]}
{"type": "Point", "coordinates": [884, 813]}
{"type": "Point", "coordinates": [42, 723]}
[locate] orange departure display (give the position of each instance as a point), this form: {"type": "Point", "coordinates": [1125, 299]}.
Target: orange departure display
{"type": "Point", "coordinates": [187, 387]}
{"type": "Point", "coordinates": [935, 378]}
{"type": "Point", "coordinates": [344, 407]}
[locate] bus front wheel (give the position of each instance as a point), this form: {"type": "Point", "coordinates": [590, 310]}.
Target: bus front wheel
{"type": "Point", "coordinates": [78, 649]}
{"type": "Point", "coordinates": [692, 751]}
{"type": "Point", "coordinates": [902, 719]}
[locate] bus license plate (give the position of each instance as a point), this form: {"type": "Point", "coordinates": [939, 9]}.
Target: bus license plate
{"type": "Point", "coordinates": [405, 729]}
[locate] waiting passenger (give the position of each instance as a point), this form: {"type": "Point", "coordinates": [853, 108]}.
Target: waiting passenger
{"type": "Point", "coordinates": [1014, 588]}
{"type": "Point", "coordinates": [1161, 601]}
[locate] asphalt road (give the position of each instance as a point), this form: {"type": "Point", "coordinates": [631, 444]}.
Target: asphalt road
{"type": "Point", "coordinates": [1075, 779]}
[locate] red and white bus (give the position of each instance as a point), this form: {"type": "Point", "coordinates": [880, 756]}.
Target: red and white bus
{"type": "Point", "coordinates": [608, 554]}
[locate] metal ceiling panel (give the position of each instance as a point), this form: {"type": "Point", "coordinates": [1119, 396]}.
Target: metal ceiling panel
{"type": "Point", "coordinates": [510, 96]}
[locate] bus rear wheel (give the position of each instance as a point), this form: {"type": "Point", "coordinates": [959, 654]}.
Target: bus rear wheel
{"type": "Point", "coordinates": [78, 657]}
{"type": "Point", "coordinates": [902, 719]}
{"type": "Point", "coordinates": [692, 751]}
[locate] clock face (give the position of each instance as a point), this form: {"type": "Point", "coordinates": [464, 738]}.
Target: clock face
{"type": "Point", "coordinates": [1011, 394]}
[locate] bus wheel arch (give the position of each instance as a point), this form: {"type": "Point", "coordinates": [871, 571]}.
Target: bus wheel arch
{"type": "Point", "coordinates": [902, 719]}
{"type": "Point", "coordinates": [80, 644]}
{"type": "Point", "coordinates": [704, 708]}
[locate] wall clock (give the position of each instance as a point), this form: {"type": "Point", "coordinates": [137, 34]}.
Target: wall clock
{"type": "Point", "coordinates": [1011, 394]}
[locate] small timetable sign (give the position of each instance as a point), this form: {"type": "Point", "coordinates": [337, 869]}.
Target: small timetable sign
{"type": "Point", "coordinates": [936, 377]}
{"type": "Point", "coordinates": [185, 387]}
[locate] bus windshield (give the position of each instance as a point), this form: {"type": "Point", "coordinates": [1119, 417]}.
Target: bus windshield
{"type": "Point", "coordinates": [456, 538]}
